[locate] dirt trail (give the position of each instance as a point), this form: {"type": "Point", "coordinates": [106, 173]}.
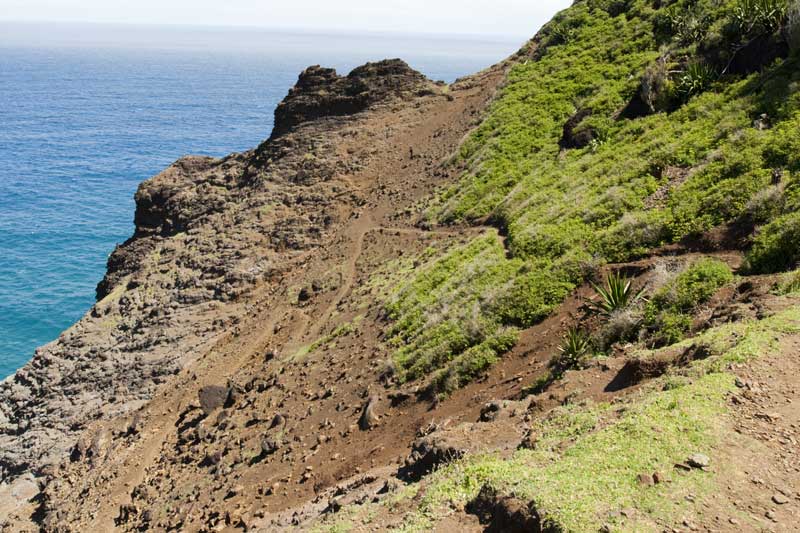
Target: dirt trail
{"type": "Point", "coordinates": [142, 474]}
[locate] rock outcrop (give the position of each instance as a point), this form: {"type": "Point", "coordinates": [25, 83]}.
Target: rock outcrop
{"type": "Point", "coordinates": [218, 243]}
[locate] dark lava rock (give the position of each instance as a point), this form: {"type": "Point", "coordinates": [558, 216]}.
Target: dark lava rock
{"type": "Point", "coordinates": [321, 92]}
{"type": "Point", "coordinates": [507, 514]}
{"type": "Point", "coordinates": [212, 398]}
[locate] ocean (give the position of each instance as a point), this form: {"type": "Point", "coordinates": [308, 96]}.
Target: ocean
{"type": "Point", "coordinates": [88, 111]}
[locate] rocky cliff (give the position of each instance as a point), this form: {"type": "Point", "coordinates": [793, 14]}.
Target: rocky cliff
{"type": "Point", "coordinates": [558, 295]}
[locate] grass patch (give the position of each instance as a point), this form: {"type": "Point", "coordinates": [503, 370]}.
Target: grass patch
{"type": "Point", "coordinates": [340, 331]}
{"type": "Point", "coordinates": [668, 314]}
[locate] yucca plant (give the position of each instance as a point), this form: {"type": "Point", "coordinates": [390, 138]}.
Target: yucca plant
{"type": "Point", "coordinates": [617, 294]}
{"type": "Point", "coordinates": [695, 79]}
{"type": "Point", "coordinates": [753, 16]}
{"type": "Point", "coordinates": [574, 347]}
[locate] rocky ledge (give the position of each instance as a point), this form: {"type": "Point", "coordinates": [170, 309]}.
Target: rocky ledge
{"type": "Point", "coordinates": [208, 231]}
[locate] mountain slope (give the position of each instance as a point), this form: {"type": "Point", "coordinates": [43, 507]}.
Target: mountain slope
{"type": "Point", "coordinates": [554, 296]}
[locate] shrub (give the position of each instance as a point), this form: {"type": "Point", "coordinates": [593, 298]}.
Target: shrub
{"type": "Point", "coordinates": [617, 294]}
{"type": "Point", "coordinates": [657, 87]}
{"type": "Point", "coordinates": [695, 79]}
{"type": "Point", "coordinates": [669, 327]}
{"type": "Point", "coordinates": [777, 247]}
{"type": "Point", "coordinates": [620, 326]}
{"type": "Point", "coordinates": [695, 285]}
{"type": "Point", "coordinates": [759, 16]}
{"type": "Point", "coordinates": [574, 347]}
{"type": "Point", "coordinates": [766, 204]}
{"type": "Point", "coordinates": [561, 34]}
{"type": "Point", "coordinates": [668, 313]}
{"type": "Point", "coordinates": [685, 26]}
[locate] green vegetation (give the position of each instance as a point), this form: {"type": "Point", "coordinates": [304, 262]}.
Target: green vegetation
{"type": "Point", "coordinates": [759, 16]}
{"type": "Point", "coordinates": [340, 331]}
{"type": "Point", "coordinates": [458, 313]}
{"type": "Point", "coordinates": [668, 313]}
{"type": "Point", "coordinates": [575, 346]}
{"type": "Point", "coordinates": [789, 283]}
{"type": "Point", "coordinates": [777, 246]}
{"type": "Point", "coordinates": [616, 295]}
{"type": "Point", "coordinates": [674, 153]}
{"type": "Point", "coordinates": [583, 469]}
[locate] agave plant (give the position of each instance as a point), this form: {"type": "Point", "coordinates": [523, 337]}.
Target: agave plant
{"type": "Point", "coordinates": [759, 15]}
{"type": "Point", "coordinates": [574, 346]}
{"type": "Point", "coordinates": [695, 79]}
{"type": "Point", "coordinates": [617, 294]}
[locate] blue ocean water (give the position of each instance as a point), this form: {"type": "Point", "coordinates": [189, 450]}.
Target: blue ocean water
{"type": "Point", "coordinates": [88, 112]}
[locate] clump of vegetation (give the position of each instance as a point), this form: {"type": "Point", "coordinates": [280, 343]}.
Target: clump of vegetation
{"type": "Point", "coordinates": [568, 211]}
{"type": "Point", "coordinates": [788, 283]}
{"type": "Point", "coordinates": [668, 314]}
{"type": "Point", "coordinates": [575, 346]}
{"type": "Point", "coordinates": [759, 16]}
{"type": "Point", "coordinates": [695, 79]}
{"type": "Point", "coordinates": [616, 295]}
{"type": "Point", "coordinates": [777, 246]}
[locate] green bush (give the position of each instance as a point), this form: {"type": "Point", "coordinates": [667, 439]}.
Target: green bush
{"type": "Point", "coordinates": [669, 327]}
{"type": "Point", "coordinates": [696, 78]}
{"type": "Point", "coordinates": [616, 295]}
{"type": "Point", "coordinates": [759, 16]}
{"type": "Point", "coordinates": [777, 246]}
{"type": "Point", "coordinates": [574, 348]}
{"type": "Point", "coordinates": [668, 313]}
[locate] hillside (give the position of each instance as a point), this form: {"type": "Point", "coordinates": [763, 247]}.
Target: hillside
{"type": "Point", "coordinates": [557, 295]}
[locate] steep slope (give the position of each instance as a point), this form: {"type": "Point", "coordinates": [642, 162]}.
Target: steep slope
{"type": "Point", "coordinates": [554, 296]}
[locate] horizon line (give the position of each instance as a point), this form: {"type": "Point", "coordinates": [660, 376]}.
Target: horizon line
{"type": "Point", "coordinates": [498, 37]}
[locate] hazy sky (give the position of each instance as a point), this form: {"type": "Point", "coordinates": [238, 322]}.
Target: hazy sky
{"type": "Point", "coordinates": [489, 17]}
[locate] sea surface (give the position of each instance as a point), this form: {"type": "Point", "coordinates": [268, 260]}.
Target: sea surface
{"type": "Point", "coordinates": [88, 112]}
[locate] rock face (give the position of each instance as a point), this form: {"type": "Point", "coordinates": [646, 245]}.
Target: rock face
{"type": "Point", "coordinates": [241, 294]}
{"type": "Point", "coordinates": [207, 231]}
{"type": "Point", "coordinates": [321, 92]}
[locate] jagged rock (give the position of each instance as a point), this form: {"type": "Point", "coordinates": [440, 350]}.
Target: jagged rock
{"type": "Point", "coordinates": [269, 446]}
{"type": "Point", "coordinates": [212, 398]}
{"type": "Point", "coordinates": [278, 420]}
{"type": "Point", "coordinates": [369, 418]}
{"type": "Point", "coordinates": [321, 92]}
{"type": "Point", "coordinates": [698, 460]}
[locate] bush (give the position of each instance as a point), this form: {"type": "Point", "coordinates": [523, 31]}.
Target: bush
{"type": "Point", "coordinates": [766, 204]}
{"type": "Point", "coordinates": [695, 79]}
{"type": "Point", "coordinates": [670, 327]}
{"type": "Point", "coordinates": [791, 29]}
{"type": "Point", "coordinates": [617, 294]}
{"type": "Point", "coordinates": [657, 87]}
{"type": "Point", "coordinates": [777, 247]}
{"type": "Point", "coordinates": [685, 26]}
{"type": "Point", "coordinates": [574, 347]}
{"type": "Point", "coordinates": [668, 314]}
{"type": "Point", "coordinates": [621, 326]}
{"type": "Point", "coordinates": [759, 16]}
{"type": "Point", "coordinates": [694, 286]}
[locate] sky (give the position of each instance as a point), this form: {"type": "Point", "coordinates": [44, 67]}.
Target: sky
{"type": "Point", "coordinates": [518, 18]}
